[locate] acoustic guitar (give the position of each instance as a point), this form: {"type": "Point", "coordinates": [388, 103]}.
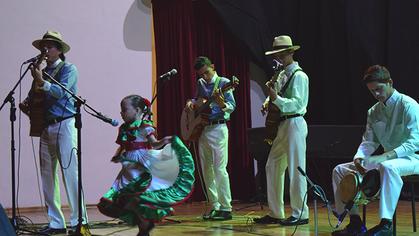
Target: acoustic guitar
{"type": "Point", "coordinates": [33, 105]}
{"type": "Point", "coordinates": [193, 122]}
{"type": "Point", "coordinates": [273, 114]}
{"type": "Point", "coordinates": [273, 117]}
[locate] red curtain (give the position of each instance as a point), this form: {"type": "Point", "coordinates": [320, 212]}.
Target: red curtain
{"type": "Point", "coordinates": [185, 29]}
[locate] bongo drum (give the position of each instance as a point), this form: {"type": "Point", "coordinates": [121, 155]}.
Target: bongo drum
{"type": "Point", "coordinates": [360, 189]}
{"type": "Point", "coordinates": [349, 187]}
{"type": "Point", "coordinates": [371, 184]}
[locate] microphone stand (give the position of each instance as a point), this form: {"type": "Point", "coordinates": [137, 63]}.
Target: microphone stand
{"type": "Point", "coordinates": [157, 91]}
{"type": "Point", "coordinates": [151, 103]}
{"type": "Point", "coordinates": [157, 88]}
{"type": "Point", "coordinates": [78, 124]}
{"type": "Point", "coordinates": [316, 193]}
{"type": "Point", "coordinates": [10, 99]}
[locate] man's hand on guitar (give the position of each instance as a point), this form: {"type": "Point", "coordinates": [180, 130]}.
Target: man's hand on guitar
{"type": "Point", "coordinates": [272, 94]}
{"type": "Point", "coordinates": [37, 76]}
{"type": "Point", "coordinates": [190, 105]}
{"type": "Point", "coordinates": [219, 98]}
{"type": "Point", "coordinates": [264, 108]}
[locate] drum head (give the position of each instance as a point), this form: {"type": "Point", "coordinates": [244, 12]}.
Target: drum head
{"type": "Point", "coordinates": [348, 187]}
{"type": "Point", "coordinates": [370, 185]}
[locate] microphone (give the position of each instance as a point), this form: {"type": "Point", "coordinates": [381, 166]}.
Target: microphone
{"type": "Point", "coordinates": [302, 171]}
{"type": "Point", "coordinates": [316, 189]}
{"type": "Point", "coordinates": [35, 58]}
{"type": "Point", "coordinates": [106, 119]}
{"type": "Point", "coordinates": [168, 74]}
{"type": "Point", "coordinates": [348, 207]}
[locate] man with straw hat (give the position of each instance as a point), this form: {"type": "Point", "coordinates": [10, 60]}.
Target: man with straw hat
{"type": "Point", "coordinates": [58, 139]}
{"type": "Point", "coordinates": [288, 91]}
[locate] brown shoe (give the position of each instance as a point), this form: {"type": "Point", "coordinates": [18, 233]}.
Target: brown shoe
{"type": "Point", "coordinates": [146, 230]}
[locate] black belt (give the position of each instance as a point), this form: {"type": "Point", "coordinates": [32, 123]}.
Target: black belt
{"type": "Point", "coordinates": [286, 117]}
{"type": "Point", "coordinates": [217, 122]}
{"type": "Point", "coordinates": [57, 120]}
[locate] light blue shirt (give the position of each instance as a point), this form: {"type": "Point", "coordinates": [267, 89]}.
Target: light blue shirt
{"type": "Point", "coordinates": [295, 98]}
{"type": "Point", "coordinates": [59, 103]}
{"type": "Point", "coordinates": [205, 91]}
{"type": "Point", "coordinates": [394, 125]}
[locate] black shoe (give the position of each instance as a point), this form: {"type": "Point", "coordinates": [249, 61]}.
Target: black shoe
{"type": "Point", "coordinates": [85, 230]}
{"type": "Point", "coordinates": [222, 215]}
{"type": "Point", "coordinates": [354, 228]}
{"type": "Point", "coordinates": [385, 228]}
{"type": "Point", "coordinates": [48, 230]}
{"type": "Point", "coordinates": [208, 216]}
{"type": "Point", "coordinates": [266, 220]}
{"type": "Point", "coordinates": [351, 230]}
{"type": "Point", "coordinates": [293, 221]}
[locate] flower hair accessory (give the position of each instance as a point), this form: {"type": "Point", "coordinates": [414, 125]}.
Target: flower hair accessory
{"type": "Point", "coordinates": [146, 102]}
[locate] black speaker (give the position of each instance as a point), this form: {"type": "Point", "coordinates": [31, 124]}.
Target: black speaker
{"type": "Point", "coordinates": [6, 228]}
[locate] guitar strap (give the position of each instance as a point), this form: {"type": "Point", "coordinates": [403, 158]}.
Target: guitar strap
{"type": "Point", "coordinates": [53, 74]}
{"type": "Point", "coordinates": [284, 88]}
{"type": "Point", "coordinates": [217, 82]}
{"type": "Point", "coordinates": [56, 70]}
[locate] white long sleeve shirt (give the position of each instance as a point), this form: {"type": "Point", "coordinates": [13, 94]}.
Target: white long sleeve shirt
{"type": "Point", "coordinates": [295, 98]}
{"type": "Point", "coordinates": [394, 125]}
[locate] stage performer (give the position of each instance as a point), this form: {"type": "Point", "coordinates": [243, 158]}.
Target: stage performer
{"type": "Point", "coordinates": [393, 123]}
{"type": "Point", "coordinates": [155, 174]}
{"type": "Point", "coordinates": [290, 94]}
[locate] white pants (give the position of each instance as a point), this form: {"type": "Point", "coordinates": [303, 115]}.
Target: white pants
{"type": "Point", "coordinates": [213, 152]}
{"type": "Point", "coordinates": [391, 183]}
{"type": "Point", "coordinates": [58, 143]}
{"type": "Point", "coordinates": [288, 150]}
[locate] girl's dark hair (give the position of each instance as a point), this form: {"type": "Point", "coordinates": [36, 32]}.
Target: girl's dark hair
{"type": "Point", "coordinates": [138, 101]}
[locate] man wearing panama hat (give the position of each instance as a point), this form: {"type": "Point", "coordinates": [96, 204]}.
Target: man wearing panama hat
{"type": "Point", "coordinates": [290, 94]}
{"type": "Point", "coordinates": [58, 137]}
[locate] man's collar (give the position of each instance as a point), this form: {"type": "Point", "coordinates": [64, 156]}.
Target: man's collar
{"type": "Point", "coordinates": [392, 99]}
{"type": "Point", "coordinates": [291, 67]}
{"type": "Point", "coordinates": [214, 77]}
{"type": "Point", "coordinates": [55, 64]}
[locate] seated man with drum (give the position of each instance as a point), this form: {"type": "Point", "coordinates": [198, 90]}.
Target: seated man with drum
{"type": "Point", "coordinates": [393, 123]}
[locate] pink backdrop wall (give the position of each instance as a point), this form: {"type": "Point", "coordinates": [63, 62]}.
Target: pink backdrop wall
{"type": "Point", "coordinates": [111, 46]}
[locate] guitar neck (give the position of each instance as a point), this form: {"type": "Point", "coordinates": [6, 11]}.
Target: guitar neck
{"type": "Point", "coordinates": [205, 106]}
{"type": "Point", "coordinates": [230, 85]}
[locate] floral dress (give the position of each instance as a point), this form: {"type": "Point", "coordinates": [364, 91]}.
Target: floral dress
{"type": "Point", "coordinates": [151, 181]}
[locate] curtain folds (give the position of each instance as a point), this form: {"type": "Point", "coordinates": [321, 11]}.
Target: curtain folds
{"type": "Point", "coordinates": [185, 29]}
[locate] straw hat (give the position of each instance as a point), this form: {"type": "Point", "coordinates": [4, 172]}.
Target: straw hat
{"type": "Point", "coordinates": [282, 43]}
{"type": "Point", "coordinates": [52, 36]}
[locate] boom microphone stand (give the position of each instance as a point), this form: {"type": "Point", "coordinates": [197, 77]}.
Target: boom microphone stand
{"type": "Point", "coordinates": [10, 99]}
{"type": "Point", "coordinates": [78, 124]}
{"type": "Point", "coordinates": [317, 192]}
{"type": "Point", "coordinates": [162, 79]}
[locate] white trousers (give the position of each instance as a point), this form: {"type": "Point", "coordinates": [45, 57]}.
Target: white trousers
{"type": "Point", "coordinates": [213, 152]}
{"type": "Point", "coordinates": [58, 143]}
{"type": "Point", "coordinates": [288, 150]}
{"type": "Point", "coordinates": [391, 183]}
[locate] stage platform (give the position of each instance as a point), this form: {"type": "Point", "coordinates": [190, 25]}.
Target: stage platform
{"type": "Point", "coordinates": [188, 221]}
